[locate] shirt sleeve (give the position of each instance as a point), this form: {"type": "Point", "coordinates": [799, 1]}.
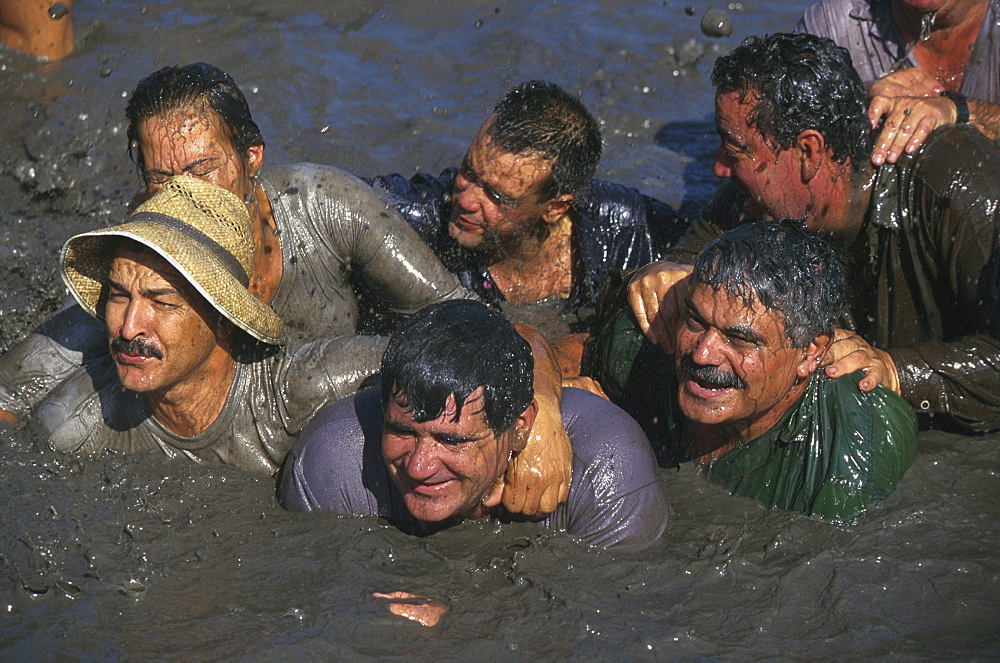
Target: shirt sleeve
{"type": "Point", "coordinates": [959, 374]}
{"type": "Point", "coordinates": [386, 252]}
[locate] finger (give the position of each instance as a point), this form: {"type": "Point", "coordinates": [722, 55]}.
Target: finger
{"type": "Point", "coordinates": [848, 364]}
{"type": "Point", "coordinates": [393, 596]}
{"type": "Point", "coordinates": [635, 301]}
{"type": "Point", "coordinates": [920, 135]}
{"type": "Point", "coordinates": [879, 107]}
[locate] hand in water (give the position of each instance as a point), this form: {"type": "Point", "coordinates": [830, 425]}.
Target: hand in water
{"type": "Point", "coordinates": [656, 295]}
{"type": "Point", "coordinates": [421, 609]}
{"type": "Point", "coordinates": [849, 353]}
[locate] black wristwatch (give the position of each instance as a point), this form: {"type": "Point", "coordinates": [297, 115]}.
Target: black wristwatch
{"type": "Point", "coordinates": [961, 106]}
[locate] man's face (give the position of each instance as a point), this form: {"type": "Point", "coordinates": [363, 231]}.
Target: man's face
{"type": "Point", "coordinates": [496, 198]}
{"type": "Point", "coordinates": [193, 142]}
{"type": "Point", "coordinates": [735, 364]}
{"type": "Point", "coordinates": [156, 323]}
{"type": "Point", "coordinates": [445, 468]}
{"type": "Point", "coordinates": [771, 179]}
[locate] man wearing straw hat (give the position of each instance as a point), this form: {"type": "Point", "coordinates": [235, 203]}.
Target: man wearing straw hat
{"type": "Point", "coordinates": [195, 366]}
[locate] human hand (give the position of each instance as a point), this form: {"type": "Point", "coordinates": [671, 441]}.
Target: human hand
{"type": "Point", "coordinates": [910, 82]}
{"type": "Point", "coordinates": [538, 477]}
{"type": "Point", "coordinates": [426, 611]}
{"type": "Point", "coordinates": [587, 384]}
{"type": "Point", "coordinates": [849, 353]}
{"type": "Point", "coordinates": [907, 123]}
{"type": "Point", "coordinates": [656, 295]}
{"type": "Point", "coordinates": [8, 418]}
{"type": "Point", "coordinates": [568, 352]}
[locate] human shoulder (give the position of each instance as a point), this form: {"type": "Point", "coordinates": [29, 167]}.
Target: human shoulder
{"type": "Point", "coordinates": [333, 465]}
{"type": "Point", "coordinates": [833, 18]}
{"type": "Point", "coordinates": [88, 412]}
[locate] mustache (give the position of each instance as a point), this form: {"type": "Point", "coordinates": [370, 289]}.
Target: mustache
{"type": "Point", "coordinates": [710, 374]}
{"type": "Point", "coordinates": [137, 346]}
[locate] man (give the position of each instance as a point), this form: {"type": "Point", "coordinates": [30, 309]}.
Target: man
{"type": "Point", "coordinates": [456, 401]}
{"type": "Point", "coordinates": [40, 28]}
{"type": "Point", "coordinates": [522, 220]}
{"type": "Point", "coordinates": [194, 367]}
{"type": "Point", "coordinates": [742, 393]}
{"type": "Point", "coordinates": [920, 237]}
{"type": "Point", "coordinates": [929, 62]}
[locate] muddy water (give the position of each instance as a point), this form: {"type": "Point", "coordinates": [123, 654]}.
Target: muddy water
{"type": "Point", "coordinates": [139, 557]}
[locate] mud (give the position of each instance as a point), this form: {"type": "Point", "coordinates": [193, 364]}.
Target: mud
{"type": "Point", "coordinates": [139, 557]}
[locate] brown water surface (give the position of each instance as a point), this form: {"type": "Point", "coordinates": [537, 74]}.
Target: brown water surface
{"type": "Point", "coordinates": [140, 557]}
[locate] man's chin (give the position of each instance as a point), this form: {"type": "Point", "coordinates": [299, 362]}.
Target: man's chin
{"type": "Point", "coordinates": [429, 511]}
{"type": "Point", "coordinates": [468, 237]}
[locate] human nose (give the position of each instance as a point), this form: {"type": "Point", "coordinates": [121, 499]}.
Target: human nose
{"type": "Point", "coordinates": [707, 348]}
{"type": "Point", "coordinates": [134, 320]}
{"type": "Point", "coordinates": [465, 194]}
{"type": "Point", "coordinates": [423, 461]}
{"type": "Point", "coordinates": [721, 168]}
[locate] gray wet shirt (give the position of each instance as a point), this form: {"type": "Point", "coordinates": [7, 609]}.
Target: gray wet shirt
{"type": "Point", "coordinates": [615, 497]}
{"type": "Point", "coordinates": [331, 225]}
{"type": "Point", "coordinates": [270, 401]}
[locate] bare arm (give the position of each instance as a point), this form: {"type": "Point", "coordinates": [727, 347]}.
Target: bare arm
{"type": "Point", "coordinates": [538, 478]}
{"type": "Point", "coordinates": [41, 29]}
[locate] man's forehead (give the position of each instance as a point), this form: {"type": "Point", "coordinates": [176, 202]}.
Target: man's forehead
{"type": "Point", "coordinates": [130, 256]}
{"type": "Point", "coordinates": [720, 306]}
{"type": "Point", "coordinates": [473, 407]}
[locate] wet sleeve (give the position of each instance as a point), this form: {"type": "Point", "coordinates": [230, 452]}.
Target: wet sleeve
{"type": "Point", "coordinates": [616, 497]}
{"type": "Point", "coordinates": [323, 371]}
{"type": "Point", "coordinates": [875, 441]}
{"type": "Point", "coordinates": [960, 375]}
{"type": "Point", "coordinates": [389, 255]}
{"type": "Point", "coordinates": [324, 471]}
{"type": "Point", "coordinates": [722, 212]}
{"type": "Point", "coordinates": [35, 365]}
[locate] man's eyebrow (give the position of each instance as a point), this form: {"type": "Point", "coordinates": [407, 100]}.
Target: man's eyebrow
{"type": "Point", "coordinates": [473, 176]}
{"type": "Point", "coordinates": [745, 331]}
{"type": "Point", "coordinates": [184, 169]}
{"type": "Point", "coordinates": [728, 137]}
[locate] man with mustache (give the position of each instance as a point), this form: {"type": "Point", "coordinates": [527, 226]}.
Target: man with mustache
{"type": "Point", "coordinates": [522, 219]}
{"type": "Point", "coordinates": [921, 237]}
{"type": "Point", "coordinates": [743, 394]}
{"type": "Point", "coordinates": [195, 367]}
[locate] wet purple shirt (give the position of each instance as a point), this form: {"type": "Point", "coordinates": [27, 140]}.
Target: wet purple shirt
{"type": "Point", "coordinates": [615, 497]}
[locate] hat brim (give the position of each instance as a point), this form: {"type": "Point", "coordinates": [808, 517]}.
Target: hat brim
{"type": "Point", "coordinates": [86, 260]}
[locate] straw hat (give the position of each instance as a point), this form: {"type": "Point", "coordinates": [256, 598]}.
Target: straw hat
{"type": "Point", "coordinates": [203, 231]}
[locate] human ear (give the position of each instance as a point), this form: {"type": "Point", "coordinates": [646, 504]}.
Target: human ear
{"type": "Point", "coordinates": [556, 208]}
{"type": "Point", "coordinates": [811, 147]}
{"type": "Point", "coordinates": [814, 353]}
{"type": "Point", "coordinates": [255, 159]}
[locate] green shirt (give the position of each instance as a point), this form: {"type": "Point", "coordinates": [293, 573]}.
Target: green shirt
{"type": "Point", "coordinates": [834, 453]}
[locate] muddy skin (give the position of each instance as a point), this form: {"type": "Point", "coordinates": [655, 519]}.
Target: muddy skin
{"type": "Point", "coordinates": [134, 557]}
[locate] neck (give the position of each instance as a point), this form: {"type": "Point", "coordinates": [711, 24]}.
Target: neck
{"type": "Point", "coordinates": [190, 407]}
{"type": "Point", "coordinates": [706, 442]}
{"type": "Point", "coordinates": [840, 209]}
{"type": "Point", "coordinates": [538, 266]}
{"type": "Point", "coordinates": [952, 19]}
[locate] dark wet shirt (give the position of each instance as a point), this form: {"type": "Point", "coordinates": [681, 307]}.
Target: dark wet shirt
{"type": "Point", "coordinates": [331, 227]}
{"type": "Point", "coordinates": [868, 31]}
{"type": "Point", "coordinates": [270, 401]}
{"type": "Point", "coordinates": [834, 452]}
{"type": "Point", "coordinates": [615, 497]}
{"type": "Point", "coordinates": [614, 228]}
{"type": "Point", "coordinates": [924, 272]}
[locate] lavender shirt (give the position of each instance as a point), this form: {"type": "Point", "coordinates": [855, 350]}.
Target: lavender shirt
{"type": "Point", "coordinates": [615, 497]}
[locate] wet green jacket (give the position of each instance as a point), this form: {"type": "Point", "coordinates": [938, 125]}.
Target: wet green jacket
{"type": "Point", "coordinates": [834, 453]}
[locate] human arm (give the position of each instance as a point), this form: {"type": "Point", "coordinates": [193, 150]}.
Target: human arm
{"type": "Point", "coordinates": [849, 353]}
{"type": "Point", "coordinates": [538, 478]}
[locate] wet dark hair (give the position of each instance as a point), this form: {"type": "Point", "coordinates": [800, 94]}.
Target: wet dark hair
{"type": "Point", "coordinates": [784, 267]}
{"type": "Point", "coordinates": [176, 88]}
{"type": "Point", "coordinates": [800, 82]}
{"type": "Point", "coordinates": [541, 118]}
{"type": "Point", "coordinates": [455, 347]}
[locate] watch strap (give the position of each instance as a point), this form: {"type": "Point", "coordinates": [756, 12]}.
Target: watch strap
{"type": "Point", "coordinates": [961, 106]}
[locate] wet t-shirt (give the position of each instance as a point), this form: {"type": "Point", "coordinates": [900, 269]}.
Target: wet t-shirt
{"type": "Point", "coordinates": [614, 228]}
{"type": "Point", "coordinates": [615, 496]}
{"type": "Point", "coordinates": [332, 228]}
{"type": "Point", "coordinates": [924, 272]}
{"type": "Point", "coordinates": [869, 33]}
{"type": "Point", "coordinates": [270, 401]}
{"type": "Point", "coordinates": [835, 452]}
